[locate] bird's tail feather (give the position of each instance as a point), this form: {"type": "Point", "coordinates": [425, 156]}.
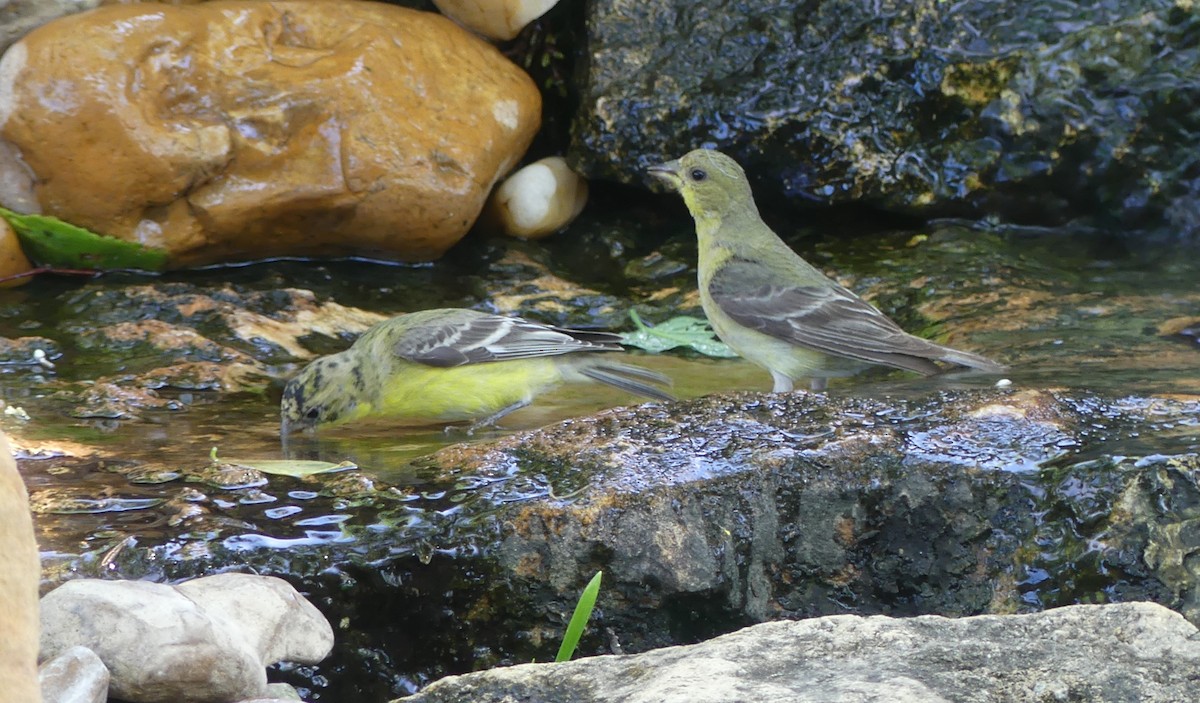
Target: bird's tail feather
{"type": "Point", "coordinates": [974, 361]}
{"type": "Point", "coordinates": [634, 379]}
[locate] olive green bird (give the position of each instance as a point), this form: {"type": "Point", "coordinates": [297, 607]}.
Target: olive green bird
{"type": "Point", "coordinates": [772, 307]}
{"type": "Point", "coordinates": [453, 365]}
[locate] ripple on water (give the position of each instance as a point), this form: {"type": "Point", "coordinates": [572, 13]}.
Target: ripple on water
{"type": "Point", "coordinates": [311, 538]}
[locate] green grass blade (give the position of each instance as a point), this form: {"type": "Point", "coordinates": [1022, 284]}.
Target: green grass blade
{"type": "Point", "coordinates": [579, 619]}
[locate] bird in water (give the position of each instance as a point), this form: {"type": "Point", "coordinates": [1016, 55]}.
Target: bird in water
{"type": "Point", "coordinates": [454, 365]}
{"type": "Point", "coordinates": [774, 308]}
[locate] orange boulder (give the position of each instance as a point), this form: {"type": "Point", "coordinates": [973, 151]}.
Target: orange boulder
{"type": "Point", "coordinates": [235, 129]}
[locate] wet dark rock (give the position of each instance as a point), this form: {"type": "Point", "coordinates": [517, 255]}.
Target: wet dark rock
{"type": "Point", "coordinates": [1045, 113]}
{"type": "Point", "coordinates": [1112, 653]}
{"type": "Point", "coordinates": [34, 354]}
{"type": "Point", "coordinates": [120, 352]}
{"type": "Point", "coordinates": [705, 516]}
{"type": "Point", "coordinates": [119, 401]}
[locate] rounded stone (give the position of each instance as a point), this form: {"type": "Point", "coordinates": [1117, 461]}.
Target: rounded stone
{"type": "Point", "coordinates": [234, 130]}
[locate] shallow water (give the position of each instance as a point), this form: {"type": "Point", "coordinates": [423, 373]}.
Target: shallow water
{"type": "Point", "coordinates": [1066, 310]}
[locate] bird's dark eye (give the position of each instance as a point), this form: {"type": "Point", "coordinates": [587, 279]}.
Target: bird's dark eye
{"type": "Point", "coordinates": [313, 414]}
{"type": "Point", "coordinates": [698, 174]}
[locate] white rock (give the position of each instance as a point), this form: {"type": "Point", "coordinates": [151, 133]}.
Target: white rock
{"type": "Point", "coordinates": [539, 199]}
{"type": "Point", "coordinates": [75, 676]}
{"type": "Point", "coordinates": [281, 692]}
{"type": "Point", "coordinates": [278, 693]}
{"type": "Point", "coordinates": [495, 19]}
{"type": "Point", "coordinates": [208, 640]}
{"type": "Point", "coordinates": [278, 622]}
{"type": "Point", "coordinates": [1098, 653]}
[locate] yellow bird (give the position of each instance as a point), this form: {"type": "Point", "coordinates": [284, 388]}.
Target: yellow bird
{"type": "Point", "coordinates": [453, 365]}
{"type": "Point", "coordinates": [771, 306]}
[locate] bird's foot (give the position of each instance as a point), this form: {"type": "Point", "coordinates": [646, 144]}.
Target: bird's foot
{"type": "Point", "coordinates": [489, 421]}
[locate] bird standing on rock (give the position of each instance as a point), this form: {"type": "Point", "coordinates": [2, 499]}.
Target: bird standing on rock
{"type": "Point", "coordinates": [771, 306]}
{"type": "Point", "coordinates": [453, 365]}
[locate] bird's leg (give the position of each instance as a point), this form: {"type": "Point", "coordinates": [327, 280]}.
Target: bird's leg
{"type": "Point", "coordinates": [817, 384]}
{"type": "Point", "coordinates": [783, 384]}
{"type": "Point", "coordinates": [491, 419]}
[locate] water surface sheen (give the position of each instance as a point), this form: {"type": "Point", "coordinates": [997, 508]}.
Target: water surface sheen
{"type": "Point", "coordinates": [1110, 323]}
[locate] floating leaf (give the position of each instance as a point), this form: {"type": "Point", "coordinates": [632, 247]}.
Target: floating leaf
{"type": "Point", "coordinates": [682, 331]}
{"type": "Point", "coordinates": [51, 242]}
{"type": "Point", "coordinates": [296, 467]}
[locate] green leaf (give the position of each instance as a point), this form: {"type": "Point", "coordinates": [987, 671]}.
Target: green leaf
{"type": "Point", "coordinates": [579, 619]}
{"type": "Point", "coordinates": [682, 331]}
{"type": "Point", "coordinates": [51, 242]}
{"type": "Point", "coordinates": [296, 468]}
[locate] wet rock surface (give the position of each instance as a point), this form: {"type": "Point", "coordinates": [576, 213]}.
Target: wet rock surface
{"type": "Point", "coordinates": [1041, 114]}
{"type": "Point", "coordinates": [1117, 653]}
{"type": "Point", "coordinates": [889, 495]}
{"type": "Point", "coordinates": [705, 516]}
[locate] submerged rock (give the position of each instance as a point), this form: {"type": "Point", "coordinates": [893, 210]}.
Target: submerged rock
{"type": "Point", "coordinates": [1113, 653]}
{"type": "Point", "coordinates": [233, 130]}
{"type": "Point", "coordinates": [1051, 111]}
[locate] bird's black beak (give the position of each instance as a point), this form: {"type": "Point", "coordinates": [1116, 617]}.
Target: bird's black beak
{"type": "Point", "coordinates": [670, 173]}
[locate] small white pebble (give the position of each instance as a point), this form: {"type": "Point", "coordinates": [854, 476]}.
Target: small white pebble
{"type": "Point", "coordinates": [1003, 383]}
{"type": "Point", "coordinates": [495, 19]}
{"type": "Point", "coordinates": [39, 358]}
{"type": "Point", "coordinates": [539, 199]}
{"type": "Point", "coordinates": [17, 412]}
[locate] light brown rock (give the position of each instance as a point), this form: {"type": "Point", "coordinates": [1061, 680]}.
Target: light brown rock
{"type": "Point", "coordinates": [20, 571]}
{"type": "Point", "coordinates": [236, 129]}
{"type": "Point", "coordinates": [12, 258]}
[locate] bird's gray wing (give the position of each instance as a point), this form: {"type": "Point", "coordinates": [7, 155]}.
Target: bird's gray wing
{"type": "Point", "coordinates": [469, 337]}
{"type": "Point", "coordinates": [825, 317]}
